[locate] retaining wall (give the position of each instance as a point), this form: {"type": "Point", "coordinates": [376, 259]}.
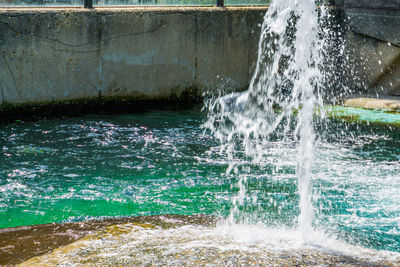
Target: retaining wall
{"type": "Point", "coordinates": [147, 53]}
{"type": "Point", "coordinates": [374, 43]}
{"type": "Point", "coordinates": [55, 55]}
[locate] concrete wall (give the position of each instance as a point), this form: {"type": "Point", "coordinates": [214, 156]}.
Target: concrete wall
{"type": "Point", "coordinates": [375, 65]}
{"type": "Point", "coordinates": [379, 19]}
{"type": "Point", "coordinates": [52, 55]}
{"type": "Point", "coordinates": [374, 43]}
{"type": "Point", "coordinates": [154, 53]}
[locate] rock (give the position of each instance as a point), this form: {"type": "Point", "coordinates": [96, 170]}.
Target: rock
{"type": "Point", "coordinates": [372, 103]}
{"type": "Point", "coordinates": [134, 244]}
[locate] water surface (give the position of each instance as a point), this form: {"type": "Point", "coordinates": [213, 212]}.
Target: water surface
{"type": "Point", "coordinates": [163, 162]}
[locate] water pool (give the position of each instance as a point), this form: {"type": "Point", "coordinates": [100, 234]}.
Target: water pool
{"type": "Point", "coordinates": [163, 162]}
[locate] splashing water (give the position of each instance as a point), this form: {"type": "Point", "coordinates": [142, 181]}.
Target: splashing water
{"type": "Point", "coordinates": [287, 81]}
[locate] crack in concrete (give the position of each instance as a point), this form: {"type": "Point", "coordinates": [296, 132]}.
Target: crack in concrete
{"type": "Point", "coordinates": [12, 75]}
{"type": "Point", "coordinates": [8, 26]}
{"type": "Point", "coordinates": [110, 39]}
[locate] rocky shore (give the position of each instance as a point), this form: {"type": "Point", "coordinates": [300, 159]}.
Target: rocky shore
{"type": "Point", "coordinates": [172, 241]}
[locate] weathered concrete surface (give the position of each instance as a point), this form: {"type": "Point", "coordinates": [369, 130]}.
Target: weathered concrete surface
{"type": "Point", "coordinates": [374, 43]}
{"type": "Point", "coordinates": [49, 55]}
{"type": "Point", "coordinates": [65, 54]}
{"type": "Point", "coordinates": [377, 19]}
{"type": "Point", "coordinates": [374, 64]}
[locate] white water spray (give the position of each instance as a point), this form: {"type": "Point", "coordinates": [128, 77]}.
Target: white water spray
{"type": "Point", "coordinates": [286, 82]}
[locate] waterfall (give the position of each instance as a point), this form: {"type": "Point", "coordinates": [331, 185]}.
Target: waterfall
{"type": "Point", "coordinates": [284, 91]}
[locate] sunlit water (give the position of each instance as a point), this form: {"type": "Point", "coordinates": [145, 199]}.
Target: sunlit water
{"type": "Point", "coordinates": [289, 78]}
{"type": "Point", "coordinates": [163, 162]}
{"type": "Point", "coordinates": [281, 178]}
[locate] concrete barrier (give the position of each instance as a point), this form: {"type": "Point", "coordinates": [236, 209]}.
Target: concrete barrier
{"type": "Point", "coordinates": [379, 19]}
{"type": "Point", "coordinates": [64, 55]}
{"type": "Point", "coordinates": [52, 55]}
{"type": "Point", "coordinates": [374, 43]}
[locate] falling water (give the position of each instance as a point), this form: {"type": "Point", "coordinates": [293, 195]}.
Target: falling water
{"type": "Point", "coordinates": [287, 81]}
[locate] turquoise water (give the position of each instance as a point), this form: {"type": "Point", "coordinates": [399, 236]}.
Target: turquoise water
{"type": "Point", "coordinates": [365, 115]}
{"type": "Point", "coordinates": [163, 162]}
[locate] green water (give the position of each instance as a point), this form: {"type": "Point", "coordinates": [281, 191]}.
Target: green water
{"type": "Point", "coordinates": [162, 162]}
{"type": "Point", "coordinates": [377, 116]}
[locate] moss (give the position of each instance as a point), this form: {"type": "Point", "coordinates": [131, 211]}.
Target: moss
{"type": "Point", "coordinates": [181, 98]}
{"type": "Point", "coordinates": [392, 111]}
{"type": "Point", "coordinates": [364, 116]}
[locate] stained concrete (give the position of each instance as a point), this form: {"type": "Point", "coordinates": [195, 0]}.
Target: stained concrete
{"type": "Point", "coordinates": [65, 54]}
{"type": "Point", "coordinates": [374, 65]}
{"type": "Point", "coordinates": [62, 55]}
{"type": "Point", "coordinates": [378, 19]}
{"type": "Point", "coordinates": [373, 43]}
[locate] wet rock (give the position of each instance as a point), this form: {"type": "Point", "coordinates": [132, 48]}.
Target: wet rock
{"type": "Point", "coordinates": [132, 244]}
{"type": "Point", "coordinates": [372, 103]}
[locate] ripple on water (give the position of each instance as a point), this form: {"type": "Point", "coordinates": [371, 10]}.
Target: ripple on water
{"type": "Point", "coordinates": [163, 163]}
